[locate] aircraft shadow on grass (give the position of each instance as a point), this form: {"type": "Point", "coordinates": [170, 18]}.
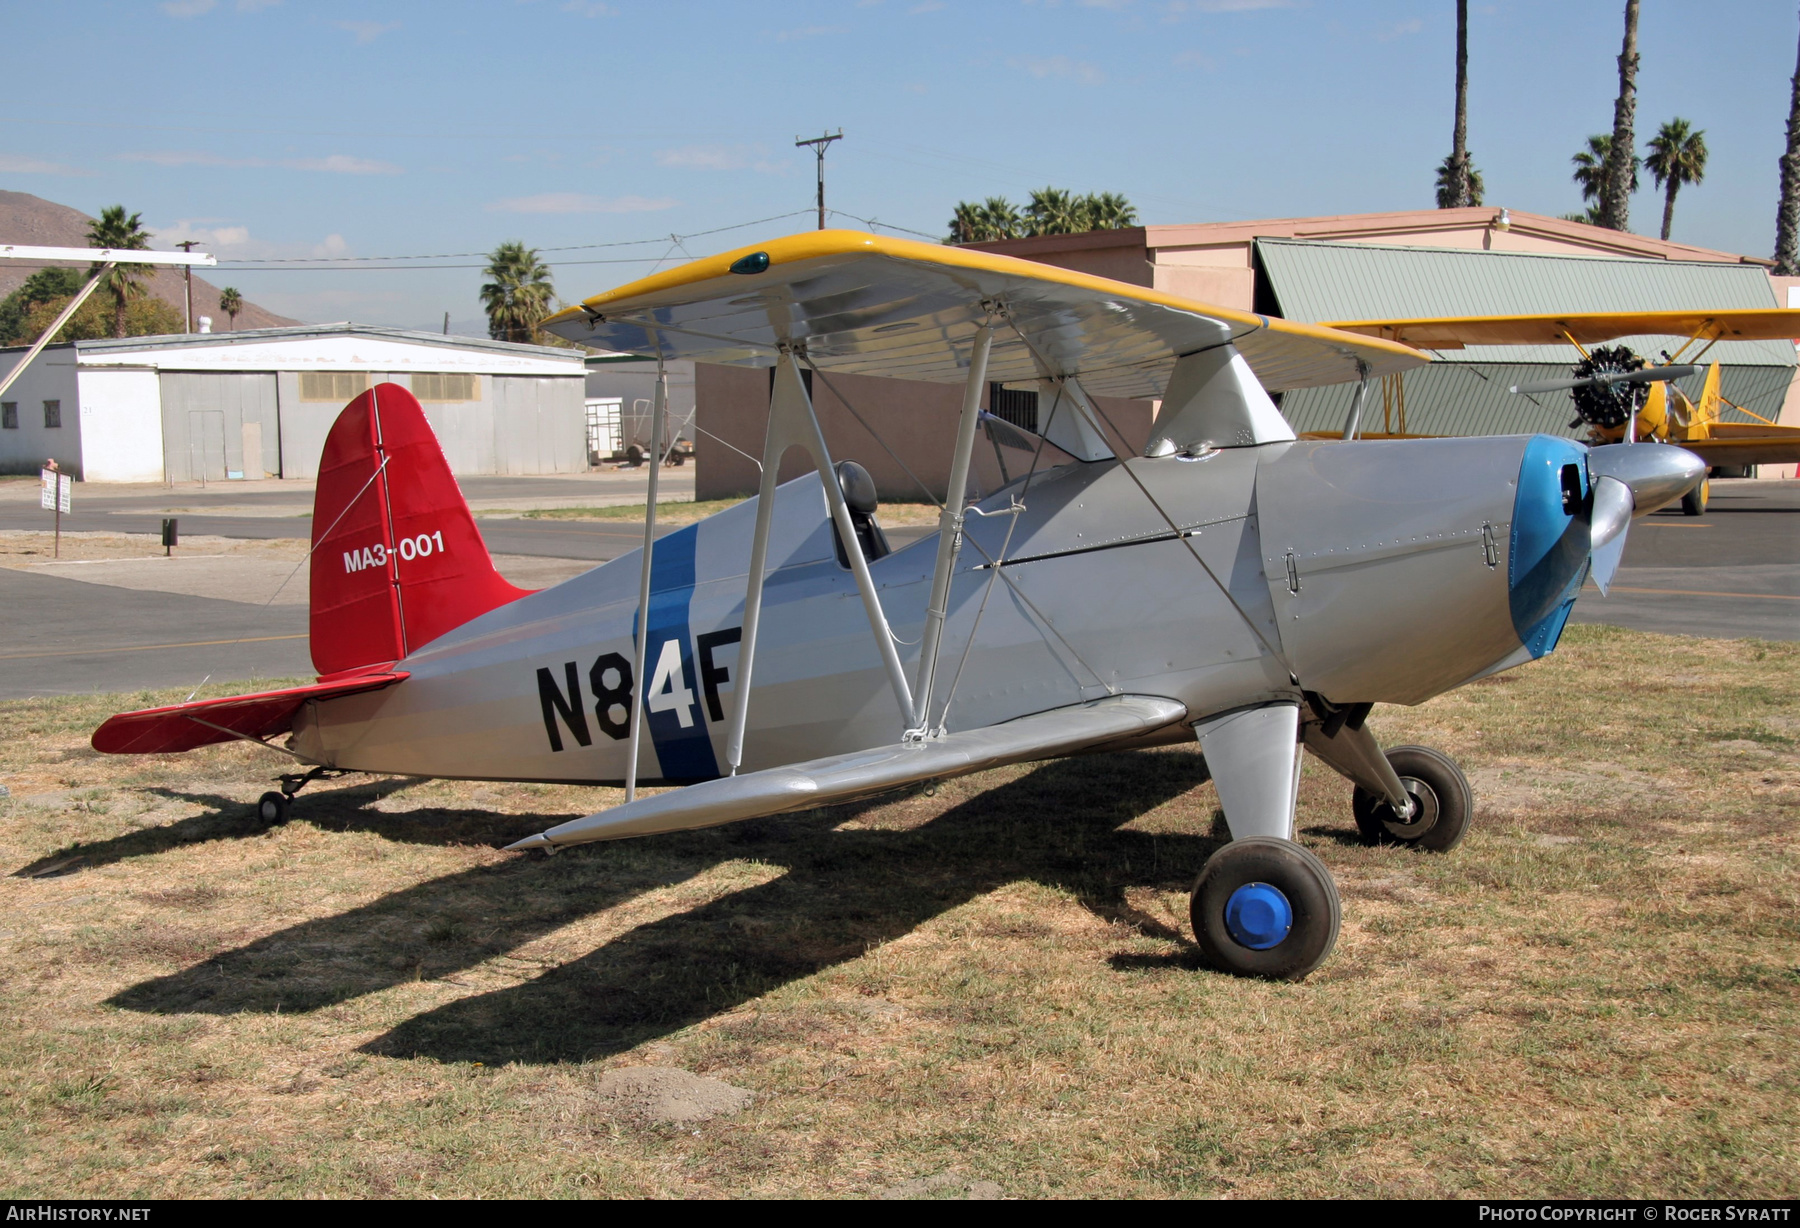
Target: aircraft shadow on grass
{"type": "Point", "coordinates": [344, 809]}
{"type": "Point", "coordinates": [842, 893]}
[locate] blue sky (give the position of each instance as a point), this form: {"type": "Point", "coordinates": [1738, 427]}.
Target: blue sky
{"type": "Point", "coordinates": [303, 130]}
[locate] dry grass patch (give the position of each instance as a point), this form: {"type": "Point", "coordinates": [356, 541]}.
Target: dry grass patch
{"type": "Point", "coordinates": [943, 992]}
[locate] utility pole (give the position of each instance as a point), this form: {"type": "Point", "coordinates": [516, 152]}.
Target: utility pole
{"type": "Point", "coordinates": [187, 277]}
{"type": "Point", "coordinates": [819, 143]}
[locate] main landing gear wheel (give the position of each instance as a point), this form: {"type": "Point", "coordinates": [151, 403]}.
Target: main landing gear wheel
{"type": "Point", "coordinates": [1694, 502]}
{"type": "Point", "coordinates": [272, 808]}
{"type": "Point", "coordinates": [1443, 803]}
{"type": "Point", "coordinates": [1264, 906]}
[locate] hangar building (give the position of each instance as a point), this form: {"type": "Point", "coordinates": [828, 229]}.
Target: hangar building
{"type": "Point", "coordinates": [258, 403]}
{"type": "Point", "coordinates": [1479, 261]}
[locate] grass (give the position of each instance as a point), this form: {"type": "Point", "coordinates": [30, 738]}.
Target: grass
{"type": "Point", "coordinates": [1596, 996]}
{"type": "Point", "coordinates": [674, 513]}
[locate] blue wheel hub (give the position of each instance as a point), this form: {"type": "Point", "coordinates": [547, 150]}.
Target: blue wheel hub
{"type": "Point", "coordinates": [1259, 916]}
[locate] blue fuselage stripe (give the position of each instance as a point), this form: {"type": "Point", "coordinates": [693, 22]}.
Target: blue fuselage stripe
{"type": "Point", "coordinates": [684, 751]}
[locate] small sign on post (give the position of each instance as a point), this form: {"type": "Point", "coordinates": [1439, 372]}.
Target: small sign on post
{"type": "Point", "coordinates": [53, 495]}
{"type": "Point", "coordinates": [171, 535]}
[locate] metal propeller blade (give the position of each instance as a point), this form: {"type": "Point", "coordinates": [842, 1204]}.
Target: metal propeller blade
{"type": "Point", "coordinates": [1608, 523]}
{"type": "Point", "coordinates": [1631, 480]}
{"type": "Point", "coordinates": [1649, 375]}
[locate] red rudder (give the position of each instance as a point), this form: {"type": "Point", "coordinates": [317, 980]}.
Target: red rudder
{"type": "Point", "coordinates": [397, 560]}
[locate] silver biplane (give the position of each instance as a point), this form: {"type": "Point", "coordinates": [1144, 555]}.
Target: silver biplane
{"type": "Point", "coordinates": [1227, 583]}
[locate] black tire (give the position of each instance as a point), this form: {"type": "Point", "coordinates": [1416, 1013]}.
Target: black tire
{"type": "Point", "coordinates": [1301, 879]}
{"type": "Point", "coordinates": [272, 808]}
{"type": "Point", "coordinates": [1694, 502]}
{"type": "Point", "coordinates": [1444, 802]}
{"type": "Point", "coordinates": [634, 456]}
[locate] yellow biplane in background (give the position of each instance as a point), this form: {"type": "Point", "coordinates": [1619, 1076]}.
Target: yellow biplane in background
{"type": "Point", "coordinates": [1617, 394]}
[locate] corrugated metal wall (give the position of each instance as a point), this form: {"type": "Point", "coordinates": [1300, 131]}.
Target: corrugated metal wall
{"type": "Point", "coordinates": [1465, 392]}
{"type": "Point", "coordinates": [540, 424]}
{"type": "Point", "coordinates": [1467, 398]}
{"type": "Point", "coordinates": [203, 417]}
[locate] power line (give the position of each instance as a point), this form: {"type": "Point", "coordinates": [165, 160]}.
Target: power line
{"type": "Point", "coordinates": [577, 247]}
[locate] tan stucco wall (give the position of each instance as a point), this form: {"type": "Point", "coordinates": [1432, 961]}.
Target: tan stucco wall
{"type": "Point", "coordinates": [916, 419]}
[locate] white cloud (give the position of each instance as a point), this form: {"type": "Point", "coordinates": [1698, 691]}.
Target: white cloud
{"type": "Point", "coordinates": [1196, 59]}
{"type": "Point", "coordinates": [255, 6]}
{"type": "Point", "coordinates": [721, 158]}
{"type": "Point", "coordinates": [590, 8]}
{"type": "Point", "coordinates": [335, 164]}
{"type": "Point", "coordinates": [341, 164]}
{"type": "Point", "coordinates": [185, 157]}
{"type": "Point", "coordinates": [788, 36]}
{"type": "Point", "coordinates": [1399, 29]}
{"type": "Point", "coordinates": [189, 8]}
{"type": "Point", "coordinates": [704, 157]}
{"type": "Point", "coordinates": [926, 6]}
{"type": "Point", "coordinates": [1059, 66]}
{"type": "Point", "coordinates": [14, 164]}
{"type": "Point", "coordinates": [368, 31]}
{"type": "Point", "coordinates": [1176, 8]}
{"type": "Point", "coordinates": [237, 243]}
{"type": "Point", "coordinates": [577, 202]}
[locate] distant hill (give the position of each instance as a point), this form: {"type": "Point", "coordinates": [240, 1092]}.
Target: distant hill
{"type": "Point", "coordinates": [31, 219]}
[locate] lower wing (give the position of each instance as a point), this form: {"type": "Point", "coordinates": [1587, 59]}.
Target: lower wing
{"type": "Point", "coordinates": [840, 778]}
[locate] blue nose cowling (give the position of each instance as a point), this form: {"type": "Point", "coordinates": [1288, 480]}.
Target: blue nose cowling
{"type": "Point", "coordinates": [1551, 540]}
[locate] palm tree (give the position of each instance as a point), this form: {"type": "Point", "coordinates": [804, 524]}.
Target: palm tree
{"type": "Point", "coordinates": [1677, 157]}
{"type": "Point", "coordinates": [519, 294]}
{"type": "Point", "coordinates": [1472, 186]}
{"type": "Point", "coordinates": [1621, 163]}
{"type": "Point", "coordinates": [1109, 211]}
{"type": "Point", "coordinates": [126, 281]}
{"type": "Point", "coordinates": [231, 302]}
{"type": "Point", "coordinates": [1054, 211]}
{"type": "Point", "coordinates": [1002, 218]}
{"type": "Point", "coordinates": [1456, 179]}
{"type": "Point", "coordinates": [965, 223]}
{"type": "Point", "coordinates": [1787, 213]}
{"type": "Point", "coordinates": [1590, 171]}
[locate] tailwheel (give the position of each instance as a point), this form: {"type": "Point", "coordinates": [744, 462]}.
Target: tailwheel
{"type": "Point", "coordinates": [1265, 907]}
{"type": "Point", "coordinates": [272, 808]}
{"type": "Point", "coordinates": [1694, 502]}
{"type": "Point", "coordinates": [1443, 803]}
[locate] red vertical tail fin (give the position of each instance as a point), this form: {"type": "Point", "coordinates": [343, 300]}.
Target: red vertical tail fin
{"type": "Point", "coordinates": [396, 560]}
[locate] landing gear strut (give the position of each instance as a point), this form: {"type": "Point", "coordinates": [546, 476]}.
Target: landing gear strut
{"type": "Point", "coordinates": [272, 807]}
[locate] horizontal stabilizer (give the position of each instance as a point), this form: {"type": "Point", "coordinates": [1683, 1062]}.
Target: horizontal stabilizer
{"type": "Point", "coordinates": [841, 778]}
{"type": "Point", "coordinates": [265, 714]}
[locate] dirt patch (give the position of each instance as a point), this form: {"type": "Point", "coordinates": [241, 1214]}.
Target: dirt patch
{"type": "Point", "coordinates": [943, 1186]}
{"type": "Point", "coordinates": [664, 1095]}
{"type": "Point", "coordinates": [1520, 788]}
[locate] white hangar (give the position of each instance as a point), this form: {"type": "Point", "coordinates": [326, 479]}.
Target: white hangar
{"type": "Point", "coordinates": [258, 403]}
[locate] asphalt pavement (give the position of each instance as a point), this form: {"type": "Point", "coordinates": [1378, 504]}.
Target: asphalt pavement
{"type": "Point", "coordinates": [1734, 572]}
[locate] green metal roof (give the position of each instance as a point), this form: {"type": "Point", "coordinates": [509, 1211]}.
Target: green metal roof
{"type": "Point", "coordinates": [1364, 281]}
{"type": "Point", "coordinates": [1465, 391]}
{"type": "Point", "coordinates": [1467, 398]}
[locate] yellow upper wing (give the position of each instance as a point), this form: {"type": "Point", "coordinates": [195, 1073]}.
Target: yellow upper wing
{"type": "Point", "coordinates": [874, 305]}
{"type": "Point", "coordinates": [1591, 328]}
